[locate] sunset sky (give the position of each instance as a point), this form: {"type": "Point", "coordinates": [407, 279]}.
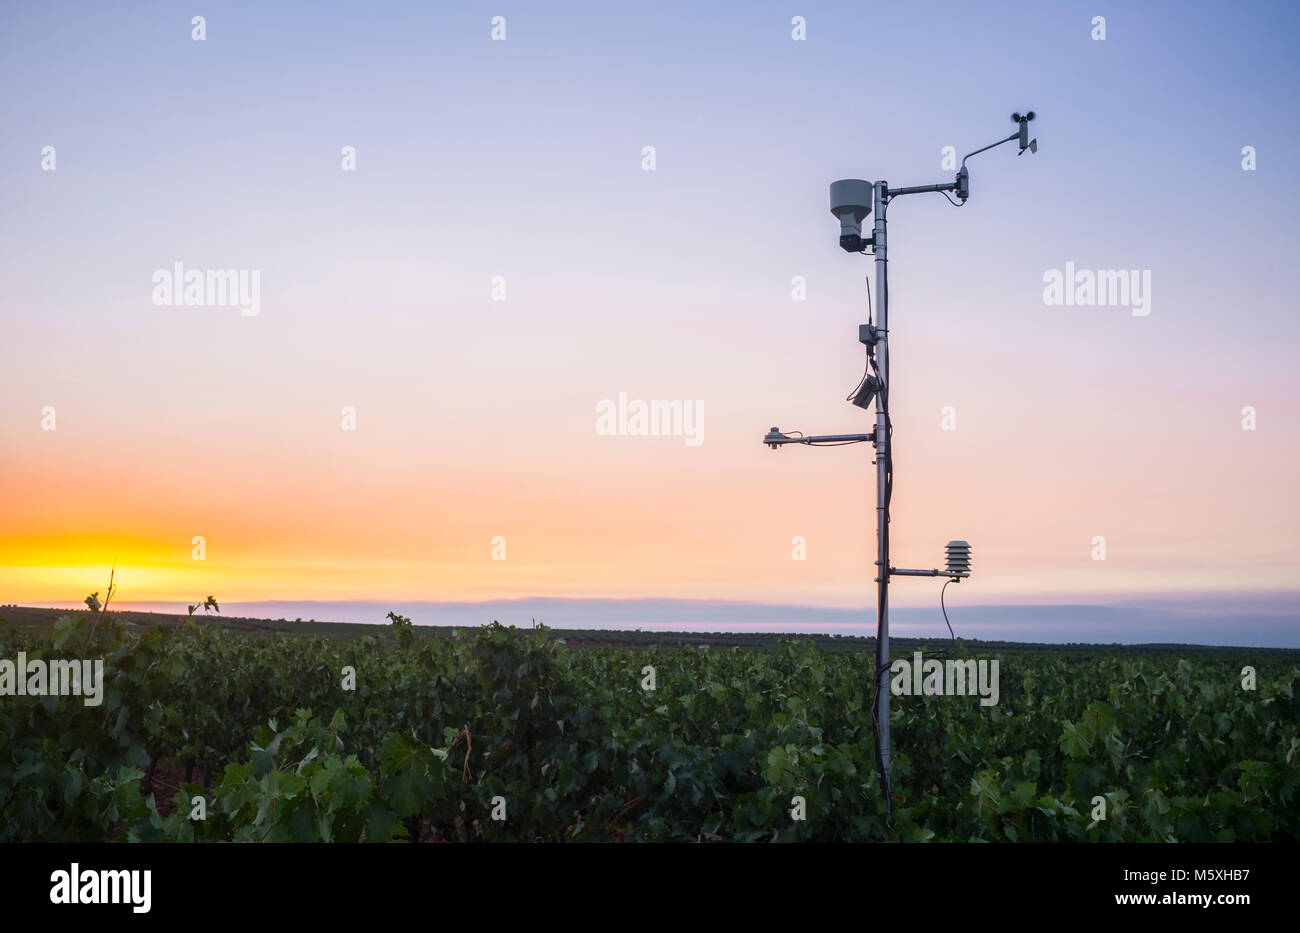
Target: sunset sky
{"type": "Point", "coordinates": [523, 159]}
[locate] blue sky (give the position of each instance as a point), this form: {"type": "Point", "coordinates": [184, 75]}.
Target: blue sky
{"type": "Point", "coordinates": [522, 159]}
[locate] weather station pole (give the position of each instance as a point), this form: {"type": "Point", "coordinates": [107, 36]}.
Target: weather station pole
{"type": "Point", "coordinates": [880, 339]}
{"type": "Point", "coordinates": [852, 200]}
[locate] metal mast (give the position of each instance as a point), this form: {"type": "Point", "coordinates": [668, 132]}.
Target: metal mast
{"type": "Point", "coordinates": [851, 201]}
{"type": "Point", "coordinates": [880, 339]}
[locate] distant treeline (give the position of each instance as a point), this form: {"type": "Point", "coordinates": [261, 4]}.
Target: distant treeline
{"type": "Point", "coordinates": [26, 617]}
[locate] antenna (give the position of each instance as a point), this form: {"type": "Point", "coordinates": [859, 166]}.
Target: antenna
{"type": "Point", "coordinates": [852, 202]}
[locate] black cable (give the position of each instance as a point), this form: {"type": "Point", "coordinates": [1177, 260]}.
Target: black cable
{"type": "Point", "coordinates": [883, 568]}
{"type": "Point", "coordinates": [858, 388]}
{"type": "Point", "coordinates": [945, 608]}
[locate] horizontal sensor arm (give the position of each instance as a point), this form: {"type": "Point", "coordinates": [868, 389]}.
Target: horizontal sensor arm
{"type": "Point", "coordinates": [775, 439]}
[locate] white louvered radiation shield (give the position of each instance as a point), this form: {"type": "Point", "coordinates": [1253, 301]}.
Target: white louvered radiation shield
{"type": "Point", "coordinates": [958, 559]}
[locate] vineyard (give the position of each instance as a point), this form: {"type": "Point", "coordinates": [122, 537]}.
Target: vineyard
{"type": "Point", "coordinates": [496, 734]}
